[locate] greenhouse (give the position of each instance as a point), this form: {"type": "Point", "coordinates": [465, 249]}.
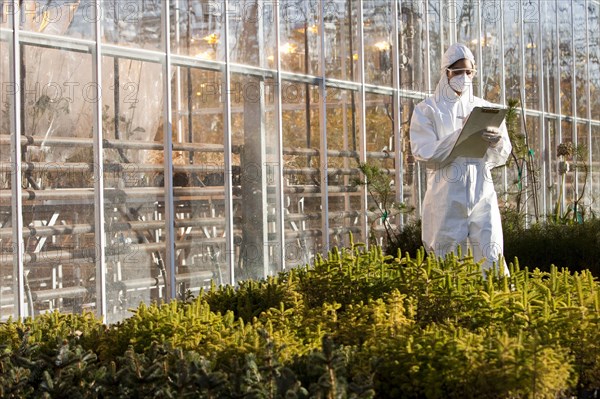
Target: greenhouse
{"type": "Point", "coordinates": [149, 148]}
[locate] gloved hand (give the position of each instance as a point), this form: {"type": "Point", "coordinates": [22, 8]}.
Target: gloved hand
{"type": "Point", "coordinates": [492, 135]}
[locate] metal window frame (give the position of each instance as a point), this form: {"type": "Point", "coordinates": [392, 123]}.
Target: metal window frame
{"type": "Point", "coordinates": [362, 126]}
{"type": "Point", "coordinates": [228, 158]}
{"type": "Point", "coordinates": [16, 178]}
{"type": "Point", "coordinates": [99, 233]}
{"type": "Point", "coordinates": [170, 289]}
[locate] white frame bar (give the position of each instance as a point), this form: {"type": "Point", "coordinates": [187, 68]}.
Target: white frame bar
{"type": "Point", "coordinates": [280, 200]}
{"type": "Point", "coordinates": [396, 111]}
{"type": "Point", "coordinates": [558, 103]}
{"type": "Point", "coordinates": [16, 179]}
{"type": "Point", "coordinates": [100, 237]}
{"type": "Point", "coordinates": [169, 267]}
{"type": "Point", "coordinates": [323, 158]}
{"type": "Point", "coordinates": [227, 142]}
{"type": "Point", "coordinates": [362, 126]}
{"type": "Point", "coordinates": [589, 101]}
{"type": "Point", "coordinates": [542, 119]}
{"type": "Point", "coordinates": [574, 97]}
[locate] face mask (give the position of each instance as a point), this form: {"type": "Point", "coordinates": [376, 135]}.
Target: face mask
{"type": "Point", "coordinates": [460, 83]}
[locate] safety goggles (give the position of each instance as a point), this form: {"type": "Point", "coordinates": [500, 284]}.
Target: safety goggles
{"type": "Point", "coordinates": [460, 71]}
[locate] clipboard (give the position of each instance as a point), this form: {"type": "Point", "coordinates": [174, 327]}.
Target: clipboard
{"type": "Point", "coordinates": [469, 143]}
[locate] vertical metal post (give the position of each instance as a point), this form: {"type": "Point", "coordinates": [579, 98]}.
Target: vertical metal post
{"type": "Point", "coordinates": [396, 112]}
{"type": "Point", "coordinates": [100, 238]}
{"type": "Point", "coordinates": [558, 104]}
{"type": "Point", "coordinates": [16, 178]}
{"type": "Point", "coordinates": [362, 146]}
{"type": "Point", "coordinates": [229, 247]}
{"type": "Point", "coordinates": [574, 96]}
{"type": "Point", "coordinates": [542, 106]}
{"type": "Point", "coordinates": [452, 20]}
{"type": "Point", "coordinates": [523, 95]}
{"type": "Point", "coordinates": [280, 217]}
{"type": "Point", "coordinates": [168, 156]}
{"type": "Point", "coordinates": [427, 48]}
{"type": "Point", "coordinates": [479, 50]}
{"type": "Point", "coordinates": [178, 73]}
{"type": "Point", "coordinates": [502, 62]}
{"type": "Point", "coordinates": [589, 100]}
{"type": "Point", "coordinates": [323, 158]}
{"type": "Point", "coordinates": [503, 89]}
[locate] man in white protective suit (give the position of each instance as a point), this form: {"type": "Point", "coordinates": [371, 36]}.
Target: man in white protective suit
{"type": "Point", "coordinates": [460, 205]}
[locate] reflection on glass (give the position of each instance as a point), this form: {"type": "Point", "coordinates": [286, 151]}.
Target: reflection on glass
{"type": "Point", "coordinates": [342, 167]}
{"type": "Point", "coordinates": [341, 39]}
{"type": "Point", "coordinates": [412, 52]}
{"type": "Point", "coordinates": [254, 137]}
{"type": "Point", "coordinates": [378, 36]}
{"type": "Point", "coordinates": [302, 200]}
{"type": "Point", "coordinates": [252, 33]}
{"type": "Point", "coordinates": [57, 17]}
{"type": "Point", "coordinates": [197, 28]}
{"type": "Point", "coordinates": [299, 36]}
{"type": "Point", "coordinates": [133, 184]}
{"type": "Point", "coordinates": [58, 210]}
{"type": "Point", "coordinates": [380, 153]}
{"type": "Point", "coordinates": [132, 23]}
{"type": "Point", "coordinates": [549, 54]}
{"type": "Point", "coordinates": [512, 53]}
{"type": "Point", "coordinates": [7, 280]}
{"type": "Point", "coordinates": [199, 179]}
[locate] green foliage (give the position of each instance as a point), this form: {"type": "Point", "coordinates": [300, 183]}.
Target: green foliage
{"type": "Point", "coordinates": [576, 246]}
{"type": "Point", "coordinates": [356, 324]}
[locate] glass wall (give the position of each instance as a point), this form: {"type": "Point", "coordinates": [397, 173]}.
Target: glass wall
{"type": "Point", "coordinates": [149, 148]}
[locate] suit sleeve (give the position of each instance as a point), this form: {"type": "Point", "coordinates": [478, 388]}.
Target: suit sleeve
{"type": "Point", "coordinates": [425, 143]}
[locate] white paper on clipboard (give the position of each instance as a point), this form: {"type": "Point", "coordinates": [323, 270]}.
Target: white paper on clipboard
{"type": "Point", "coordinates": [469, 143]}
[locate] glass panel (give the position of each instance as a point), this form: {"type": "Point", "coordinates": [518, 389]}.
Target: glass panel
{"type": "Point", "coordinates": [595, 178]}
{"type": "Point", "coordinates": [60, 17]}
{"type": "Point", "coordinates": [132, 23]}
{"type": "Point", "coordinates": [254, 136]}
{"type": "Point", "coordinates": [594, 50]}
{"type": "Point", "coordinates": [413, 49]}
{"type": "Point", "coordinates": [133, 182]}
{"type": "Point", "coordinates": [553, 175]}
{"type": "Point", "coordinates": [466, 24]}
{"type": "Point", "coordinates": [252, 31]}
{"type": "Point", "coordinates": [199, 167]}
{"type": "Point", "coordinates": [582, 166]}
{"type": "Point", "coordinates": [531, 34]}
{"type": "Point", "coordinates": [341, 40]}
{"type": "Point", "coordinates": [568, 186]}
{"type": "Point", "coordinates": [566, 57]}
{"type": "Point", "coordinates": [7, 246]}
{"type": "Point", "coordinates": [378, 38]}
{"type": "Point", "coordinates": [490, 71]}
{"type": "Point", "coordinates": [512, 50]}
{"type": "Point", "coordinates": [436, 40]}
{"type": "Point", "coordinates": [299, 33]}
{"type": "Point", "coordinates": [549, 49]}
{"type": "Point", "coordinates": [301, 172]}
{"type": "Point", "coordinates": [380, 144]}
{"type": "Point", "coordinates": [344, 200]}
{"type": "Point", "coordinates": [6, 15]}
{"type": "Point", "coordinates": [58, 211]}
{"type": "Point", "coordinates": [198, 28]}
{"type": "Point", "coordinates": [580, 60]}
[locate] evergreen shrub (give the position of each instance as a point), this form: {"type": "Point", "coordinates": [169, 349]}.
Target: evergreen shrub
{"type": "Point", "coordinates": [574, 246]}
{"type": "Point", "coordinates": [356, 324]}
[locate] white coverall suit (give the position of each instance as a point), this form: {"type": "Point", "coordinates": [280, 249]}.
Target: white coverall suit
{"type": "Point", "coordinates": [460, 205]}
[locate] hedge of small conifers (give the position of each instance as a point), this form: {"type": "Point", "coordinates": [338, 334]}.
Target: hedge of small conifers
{"type": "Point", "coordinates": [357, 324]}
